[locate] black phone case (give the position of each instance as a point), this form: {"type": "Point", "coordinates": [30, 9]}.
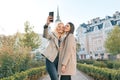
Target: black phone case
{"type": "Point", "coordinates": [51, 14]}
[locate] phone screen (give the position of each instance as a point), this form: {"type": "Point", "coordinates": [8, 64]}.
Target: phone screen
{"type": "Point", "coordinates": [51, 14]}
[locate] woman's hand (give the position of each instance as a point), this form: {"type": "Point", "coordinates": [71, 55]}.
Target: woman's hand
{"type": "Point", "coordinates": [48, 20]}
{"type": "Point", "coordinates": [63, 69]}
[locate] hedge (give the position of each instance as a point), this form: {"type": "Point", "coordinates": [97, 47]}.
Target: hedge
{"type": "Point", "coordinates": [99, 73]}
{"type": "Point", "coordinates": [30, 74]}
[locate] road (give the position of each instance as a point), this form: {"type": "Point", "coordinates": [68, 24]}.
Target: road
{"type": "Point", "coordinates": [79, 76]}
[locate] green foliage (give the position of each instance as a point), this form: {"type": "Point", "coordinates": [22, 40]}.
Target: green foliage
{"type": "Point", "coordinates": [27, 75]}
{"type": "Point", "coordinates": [113, 64]}
{"type": "Point", "coordinates": [6, 65]}
{"type": "Point", "coordinates": [15, 53]}
{"type": "Point", "coordinates": [35, 71]}
{"type": "Point", "coordinates": [109, 64]}
{"type": "Point", "coordinates": [116, 65]}
{"type": "Point", "coordinates": [31, 39]}
{"type": "Point", "coordinates": [86, 61]}
{"type": "Point", "coordinates": [99, 64]}
{"type": "Point", "coordinates": [115, 75]}
{"type": "Point", "coordinates": [13, 58]}
{"type": "Point", "coordinates": [112, 43]}
{"type": "Point", "coordinates": [102, 64]}
{"type": "Point", "coordinates": [35, 63]}
{"type": "Point", "coordinates": [99, 73]}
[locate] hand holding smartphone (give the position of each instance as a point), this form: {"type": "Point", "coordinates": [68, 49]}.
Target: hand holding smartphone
{"type": "Point", "coordinates": [51, 14]}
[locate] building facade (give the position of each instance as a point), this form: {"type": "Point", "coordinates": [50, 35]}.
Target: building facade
{"type": "Point", "coordinates": [92, 36]}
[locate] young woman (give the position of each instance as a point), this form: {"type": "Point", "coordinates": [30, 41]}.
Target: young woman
{"type": "Point", "coordinates": [52, 50]}
{"type": "Point", "coordinates": [67, 56]}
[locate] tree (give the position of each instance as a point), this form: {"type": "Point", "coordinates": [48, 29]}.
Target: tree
{"type": "Point", "coordinates": [13, 58]}
{"type": "Point", "coordinates": [31, 39]}
{"type": "Point", "coordinates": [112, 43]}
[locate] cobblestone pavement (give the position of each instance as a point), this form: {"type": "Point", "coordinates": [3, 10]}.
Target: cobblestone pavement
{"type": "Point", "coordinates": [79, 76]}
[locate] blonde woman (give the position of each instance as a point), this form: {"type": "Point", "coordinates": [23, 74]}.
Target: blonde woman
{"type": "Point", "coordinates": [67, 56]}
{"type": "Point", "coordinates": [52, 51]}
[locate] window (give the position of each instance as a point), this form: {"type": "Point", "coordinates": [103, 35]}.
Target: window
{"type": "Point", "coordinates": [95, 28]}
{"type": "Point", "coordinates": [96, 54]}
{"type": "Point", "coordinates": [83, 49]}
{"type": "Point", "coordinates": [107, 24]}
{"type": "Point", "coordinates": [118, 23]}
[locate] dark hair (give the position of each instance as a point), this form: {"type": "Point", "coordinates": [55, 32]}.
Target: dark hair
{"type": "Point", "coordinates": [71, 30]}
{"type": "Point", "coordinates": [71, 27]}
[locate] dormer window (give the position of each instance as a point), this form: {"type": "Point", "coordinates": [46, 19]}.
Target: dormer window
{"type": "Point", "coordinates": [116, 15]}
{"type": "Point", "coordinates": [107, 24]}
{"type": "Point", "coordinates": [96, 28]}
{"type": "Point", "coordinates": [107, 17]}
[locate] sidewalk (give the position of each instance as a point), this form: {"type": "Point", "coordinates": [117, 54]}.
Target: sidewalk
{"type": "Point", "coordinates": [79, 76]}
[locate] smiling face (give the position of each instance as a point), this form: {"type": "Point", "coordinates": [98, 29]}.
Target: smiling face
{"type": "Point", "coordinates": [67, 28]}
{"type": "Point", "coordinates": [60, 28]}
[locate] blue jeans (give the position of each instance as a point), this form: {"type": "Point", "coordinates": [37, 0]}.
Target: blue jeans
{"type": "Point", "coordinates": [52, 68]}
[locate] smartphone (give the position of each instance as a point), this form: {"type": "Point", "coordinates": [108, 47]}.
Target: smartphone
{"type": "Point", "coordinates": [51, 14]}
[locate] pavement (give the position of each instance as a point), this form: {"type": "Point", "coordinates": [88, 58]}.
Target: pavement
{"type": "Point", "coordinates": [79, 76]}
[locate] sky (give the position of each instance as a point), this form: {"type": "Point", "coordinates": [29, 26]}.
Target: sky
{"type": "Point", "coordinates": [14, 13]}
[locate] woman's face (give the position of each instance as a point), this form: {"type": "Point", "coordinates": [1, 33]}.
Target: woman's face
{"type": "Point", "coordinates": [67, 28]}
{"type": "Point", "coordinates": [60, 28]}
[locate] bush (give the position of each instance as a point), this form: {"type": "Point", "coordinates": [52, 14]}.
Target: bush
{"type": "Point", "coordinates": [113, 64]}
{"type": "Point", "coordinates": [35, 63]}
{"type": "Point", "coordinates": [24, 75]}
{"type": "Point", "coordinates": [99, 73]}
{"type": "Point", "coordinates": [100, 64]}
{"type": "Point", "coordinates": [109, 64]}
{"type": "Point", "coordinates": [7, 66]}
{"type": "Point", "coordinates": [116, 65]}
{"type": "Point", "coordinates": [86, 61]}
{"type": "Point", "coordinates": [13, 58]}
